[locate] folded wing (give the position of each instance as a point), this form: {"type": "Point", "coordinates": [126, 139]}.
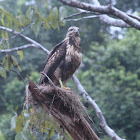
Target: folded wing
{"type": "Point", "coordinates": [56, 56]}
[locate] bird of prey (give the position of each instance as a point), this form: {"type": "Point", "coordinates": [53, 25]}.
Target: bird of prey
{"type": "Point", "coordinates": [64, 59]}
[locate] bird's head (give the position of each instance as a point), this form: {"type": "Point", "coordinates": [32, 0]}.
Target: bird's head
{"type": "Point", "coordinates": [73, 31]}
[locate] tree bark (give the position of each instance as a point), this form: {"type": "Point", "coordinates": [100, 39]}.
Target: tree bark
{"type": "Point", "coordinates": [66, 109]}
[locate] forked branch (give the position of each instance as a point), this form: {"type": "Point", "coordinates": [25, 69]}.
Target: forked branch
{"type": "Point", "coordinates": [123, 21]}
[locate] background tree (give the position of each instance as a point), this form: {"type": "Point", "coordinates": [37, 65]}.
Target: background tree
{"type": "Point", "coordinates": [110, 64]}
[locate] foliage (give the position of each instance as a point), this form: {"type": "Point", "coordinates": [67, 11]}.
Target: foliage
{"type": "Point", "coordinates": [34, 124]}
{"type": "Point", "coordinates": [110, 72]}
{"type": "Point", "coordinates": [14, 91]}
{"type": "Point", "coordinates": [115, 79]}
{"type": "Point", "coordinates": [5, 128]}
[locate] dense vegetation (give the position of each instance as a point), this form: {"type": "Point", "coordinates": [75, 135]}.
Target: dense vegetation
{"type": "Point", "coordinates": [110, 65]}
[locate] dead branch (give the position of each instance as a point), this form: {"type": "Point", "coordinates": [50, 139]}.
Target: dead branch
{"type": "Point", "coordinates": [66, 109]}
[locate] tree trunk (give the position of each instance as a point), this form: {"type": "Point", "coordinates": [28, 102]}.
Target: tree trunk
{"type": "Point", "coordinates": [66, 108]}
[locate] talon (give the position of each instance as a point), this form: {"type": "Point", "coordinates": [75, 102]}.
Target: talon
{"type": "Point", "coordinates": [66, 88]}
{"type": "Point", "coordinates": [62, 86]}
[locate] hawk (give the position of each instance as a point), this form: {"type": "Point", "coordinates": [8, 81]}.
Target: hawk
{"type": "Point", "coordinates": [64, 59]}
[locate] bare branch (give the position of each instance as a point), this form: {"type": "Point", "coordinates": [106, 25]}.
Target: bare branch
{"type": "Point", "coordinates": [99, 114]}
{"type": "Point", "coordinates": [88, 17]}
{"type": "Point", "coordinates": [81, 13]}
{"type": "Point", "coordinates": [26, 38]}
{"type": "Point", "coordinates": [19, 75]}
{"type": "Point", "coordinates": [19, 48]}
{"type": "Point", "coordinates": [109, 9]}
{"type": "Point", "coordinates": [135, 17]}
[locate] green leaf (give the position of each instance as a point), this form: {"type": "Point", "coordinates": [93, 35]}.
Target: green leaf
{"type": "Point", "coordinates": [1, 136]}
{"type": "Point", "coordinates": [32, 137]}
{"type": "Point", "coordinates": [6, 35]}
{"type": "Point", "coordinates": [36, 12]}
{"type": "Point", "coordinates": [24, 20]}
{"type": "Point", "coordinates": [3, 61]}
{"type": "Point", "coordinates": [20, 53]}
{"type": "Point", "coordinates": [17, 25]}
{"type": "Point", "coordinates": [19, 68]}
{"type": "Point", "coordinates": [8, 46]}
{"type": "Point", "coordinates": [50, 134]}
{"type": "Point", "coordinates": [29, 13]}
{"type": "Point", "coordinates": [36, 26]}
{"type": "Point", "coordinates": [46, 24]}
{"type": "Point", "coordinates": [13, 122]}
{"type": "Point", "coordinates": [2, 18]}
{"type": "Point", "coordinates": [1, 46]}
{"type": "Point", "coordinates": [14, 61]}
{"type": "Point", "coordinates": [7, 62]}
{"type": "Point", "coordinates": [54, 17]}
{"type": "Point", "coordinates": [62, 15]}
{"type": "Point", "coordinates": [9, 21]}
{"type": "Point", "coordinates": [2, 72]}
{"type": "Point", "coordinates": [47, 4]}
{"type": "Point", "coordinates": [19, 124]}
{"type": "Point", "coordinates": [1, 42]}
{"type": "Point", "coordinates": [27, 21]}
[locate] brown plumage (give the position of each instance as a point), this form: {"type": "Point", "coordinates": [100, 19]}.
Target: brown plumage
{"type": "Point", "coordinates": [64, 59]}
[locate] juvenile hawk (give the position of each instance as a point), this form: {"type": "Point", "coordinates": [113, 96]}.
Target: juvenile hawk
{"type": "Point", "coordinates": [64, 59]}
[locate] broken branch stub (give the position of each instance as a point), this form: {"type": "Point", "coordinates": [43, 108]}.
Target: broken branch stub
{"type": "Point", "coordinates": [66, 109]}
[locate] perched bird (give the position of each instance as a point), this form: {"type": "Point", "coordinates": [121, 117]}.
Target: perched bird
{"type": "Point", "coordinates": [64, 59]}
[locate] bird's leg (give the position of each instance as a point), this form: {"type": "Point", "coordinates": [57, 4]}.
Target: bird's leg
{"type": "Point", "coordinates": [64, 83]}
{"type": "Point", "coordinates": [63, 86]}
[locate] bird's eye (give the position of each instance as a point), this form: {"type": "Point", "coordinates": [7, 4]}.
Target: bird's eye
{"type": "Point", "coordinates": [70, 29]}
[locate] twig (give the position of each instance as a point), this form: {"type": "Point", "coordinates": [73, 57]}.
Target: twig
{"type": "Point", "coordinates": [19, 48]}
{"type": "Point", "coordinates": [77, 14]}
{"type": "Point", "coordinates": [88, 17]}
{"type": "Point", "coordinates": [51, 82]}
{"type": "Point", "coordinates": [135, 17]}
{"type": "Point", "coordinates": [19, 76]}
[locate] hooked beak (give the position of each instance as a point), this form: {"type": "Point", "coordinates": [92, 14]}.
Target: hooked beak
{"type": "Point", "coordinates": [77, 32]}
